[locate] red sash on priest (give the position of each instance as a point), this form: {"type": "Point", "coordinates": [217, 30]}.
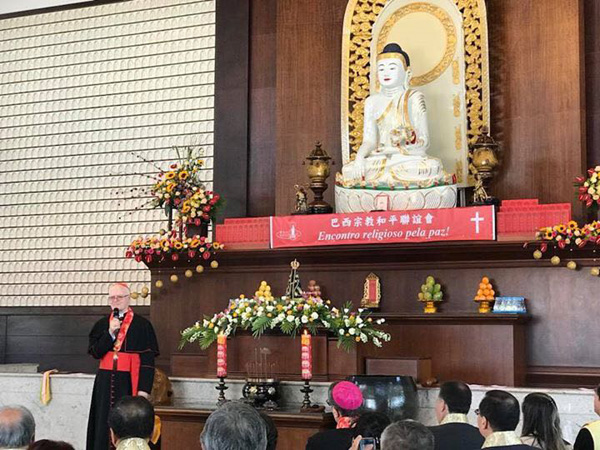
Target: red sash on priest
{"type": "Point", "coordinates": [123, 362]}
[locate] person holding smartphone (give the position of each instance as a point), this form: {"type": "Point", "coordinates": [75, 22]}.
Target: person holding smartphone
{"type": "Point", "coordinates": [368, 430]}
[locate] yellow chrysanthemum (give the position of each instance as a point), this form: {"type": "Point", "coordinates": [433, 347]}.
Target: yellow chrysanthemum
{"type": "Point", "coordinates": [170, 175]}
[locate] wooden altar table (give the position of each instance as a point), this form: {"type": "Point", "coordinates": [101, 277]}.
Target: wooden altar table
{"type": "Point", "coordinates": [182, 424]}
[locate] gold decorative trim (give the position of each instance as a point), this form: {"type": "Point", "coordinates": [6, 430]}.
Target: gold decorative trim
{"type": "Point", "coordinates": [456, 104]}
{"type": "Point", "coordinates": [358, 25]}
{"type": "Point", "coordinates": [458, 138]}
{"type": "Point", "coordinates": [446, 22]}
{"type": "Point", "coordinates": [458, 171]}
{"type": "Point", "coordinates": [455, 72]}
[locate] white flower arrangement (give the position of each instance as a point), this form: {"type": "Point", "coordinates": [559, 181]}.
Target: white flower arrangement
{"type": "Point", "coordinates": [288, 315]}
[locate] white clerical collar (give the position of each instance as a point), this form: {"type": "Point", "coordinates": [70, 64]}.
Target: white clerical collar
{"type": "Point", "coordinates": [133, 444]}
{"type": "Point", "coordinates": [501, 438]}
{"type": "Point", "coordinates": [454, 418]}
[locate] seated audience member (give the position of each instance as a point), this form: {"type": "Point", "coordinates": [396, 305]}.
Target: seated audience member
{"type": "Point", "coordinates": [46, 444]}
{"type": "Point", "coordinates": [541, 423]}
{"type": "Point", "coordinates": [345, 400]}
{"type": "Point", "coordinates": [17, 428]}
{"type": "Point", "coordinates": [454, 431]}
{"type": "Point", "coordinates": [272, 433]}
{"type": "Point", "coordinates": [234, 426]}
{"type": "Point", "coordinates": [369, 425]}
{"type": "Point", "coordinates": [497, 419]}
{"type": "Point", "coordinates": [589, 436]}
{"type": "Point", "coordinates": [131, 422]}
{"type": "Point", "coordinates": [407, 435]}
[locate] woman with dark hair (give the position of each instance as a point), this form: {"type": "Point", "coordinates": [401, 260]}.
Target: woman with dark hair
{"type": "Point", "coordinates": [541, 423]}
{"type": "Point", "coordinates": [369, 425]}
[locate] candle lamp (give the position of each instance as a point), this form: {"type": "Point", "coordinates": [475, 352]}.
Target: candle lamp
{"type": "Point", "coordinates": [318, 169]}
{"type": "Point", "coordinates": [307, 374]}
{"type": "Point", "coordinates": [221, 367]}
{"type": "Point", "coordinates": [306, 356]}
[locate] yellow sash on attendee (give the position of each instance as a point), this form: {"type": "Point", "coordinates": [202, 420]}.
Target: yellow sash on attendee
{"type": "Point", "coordinates": [594, 429]}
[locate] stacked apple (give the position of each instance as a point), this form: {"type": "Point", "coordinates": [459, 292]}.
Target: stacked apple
{"type": "Point", "coordinates": [431, 291]}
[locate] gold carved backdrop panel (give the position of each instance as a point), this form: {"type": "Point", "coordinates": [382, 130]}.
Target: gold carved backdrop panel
{"type": "Point", "coordinates": [359, 21]}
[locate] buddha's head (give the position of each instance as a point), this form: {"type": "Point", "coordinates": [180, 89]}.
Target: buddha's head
{"type": "Point", "coordinates": [393, 65]}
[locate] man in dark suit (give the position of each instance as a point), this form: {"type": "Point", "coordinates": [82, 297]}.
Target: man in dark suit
{"type": "Point", "coordinates": [497, 420]}
{"type": "Point", "coordinates": [454, 431]}
{"type": "Point", "coordinates": [589, 436]}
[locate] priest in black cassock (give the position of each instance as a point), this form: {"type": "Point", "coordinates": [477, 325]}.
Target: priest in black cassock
{"type": "Point", "coordinates": [126, 346]}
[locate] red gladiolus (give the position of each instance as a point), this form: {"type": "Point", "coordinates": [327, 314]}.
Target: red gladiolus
{"type": "Point", "coordinates": [583, 189]}
{"type": "Point", "coordinates": [197, 222]}
{"type": "Point", "coordinates": [580, 179]}
{"type": "Point", "coordinates": [582, 244]}
{"type": "Point", "coordinates": [175, 256]}
{"type": "Point", "coordinates": [205, 216]}
{"type": "Point", "coordinates": [148, 258]}
{"type": "Point", "coordinates": [128, 254]}
{"type": "Point", "coordinates": [150, 251]}
{"type": "Point", "coordinates": [206, 255]}
{"type": "Point", "coordinates": [590, 172]}
{"type": "Point", "coordinates": [544, 247]}
{"type": "Point", "coordinates": [216, 198]}
{"type": "Point", "coordinates": [191, 254]}
{"type": "Point", "coordinates": [206, 209]}
{"type": "Point", "coordinates": [203, 239]}
{"type": "Point", "coordinates": [138, 258]}
{"type": "Point", "coordinates": [561, 244]}
{"type": "Point", "coordinates": [589, 203]}
{"type": "Point", "coordinates": [212, 202]}
{"type": "Point", "coordinates": [177, 201]}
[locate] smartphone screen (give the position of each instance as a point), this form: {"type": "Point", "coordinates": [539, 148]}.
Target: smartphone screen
{"type": "Point", "coordinates": [368, 444]}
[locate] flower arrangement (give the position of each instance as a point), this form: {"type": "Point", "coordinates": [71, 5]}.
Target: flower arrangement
{"type": "Point", "coordinates": [289, 315]}
{"type": "Point", "coordinates": [168, 246]}
{"type": "Point", "coordinates": [589, 188]}
{"type": "Point", "coordinates": [180, 189]}
{"type": "Point", "coordinates": [569, 235]}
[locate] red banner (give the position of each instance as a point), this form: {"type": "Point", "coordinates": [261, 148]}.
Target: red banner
{"type": "Point", "coordinates": [453, 224]}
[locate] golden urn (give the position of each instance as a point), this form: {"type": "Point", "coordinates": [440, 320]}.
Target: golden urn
{"type": "Point", "coordinates": [485, 162]}
{"type": "Point", "coordinates": [318, 170]}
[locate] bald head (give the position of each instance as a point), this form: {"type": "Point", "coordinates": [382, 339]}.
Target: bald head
{"type": "Point", "coordinates": [17, 427]}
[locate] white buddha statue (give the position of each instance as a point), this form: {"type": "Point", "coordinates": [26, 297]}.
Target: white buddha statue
{"type": "Point", "coordinates": [393, 154]}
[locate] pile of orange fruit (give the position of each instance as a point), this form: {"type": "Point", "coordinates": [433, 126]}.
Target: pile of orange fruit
{"type": "Point", "coordinates": [485, 292]}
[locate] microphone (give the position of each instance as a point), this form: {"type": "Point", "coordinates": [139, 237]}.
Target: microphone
{"type": "Point", "coordinates": [116, 316]}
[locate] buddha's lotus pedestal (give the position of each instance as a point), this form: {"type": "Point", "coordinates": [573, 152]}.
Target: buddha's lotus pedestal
{"type": "Point", "coordinates": [353, 200]}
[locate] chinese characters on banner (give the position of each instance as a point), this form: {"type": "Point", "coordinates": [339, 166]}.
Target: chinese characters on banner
{"type": "Point", "coordinates": [453, 224]}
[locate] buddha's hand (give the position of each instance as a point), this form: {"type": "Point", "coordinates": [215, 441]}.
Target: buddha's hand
{"type": "Point", "coordinates": [357, 170]}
